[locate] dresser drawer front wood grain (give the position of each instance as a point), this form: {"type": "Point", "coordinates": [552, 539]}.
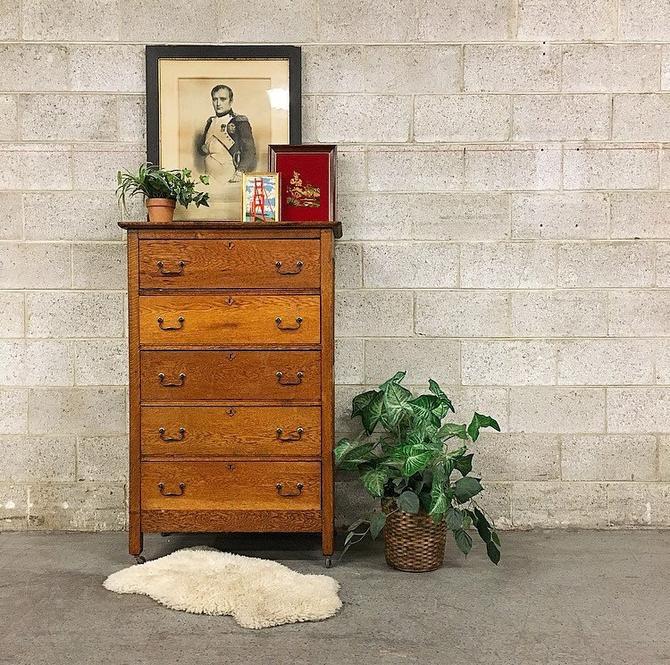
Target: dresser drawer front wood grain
{"type": "Point", "coordinates": [231, 485]}
{"type": "Point", "coordinates": [178, 376]}
{"type": "Point", "coordinates": [173, 320]}
{"type": "Point", "coordinates": [246, 431]}
{"type": "Point", "coordinates": [237, 263]}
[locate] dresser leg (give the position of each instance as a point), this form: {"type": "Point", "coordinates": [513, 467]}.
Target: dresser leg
{"type": "Point", "coordinates": [135, 540]}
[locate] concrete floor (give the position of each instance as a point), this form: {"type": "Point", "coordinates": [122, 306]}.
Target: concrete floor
{"type": "Point", "coordinates": [558, 597]}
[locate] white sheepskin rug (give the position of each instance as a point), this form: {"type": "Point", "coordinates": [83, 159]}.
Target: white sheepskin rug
{"type": "Point", "coordinates": [255, 592]}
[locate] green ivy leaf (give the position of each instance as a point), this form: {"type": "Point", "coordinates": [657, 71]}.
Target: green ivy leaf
{"type": "Point", "coordinates": [428, 408]}
{"type": "Point", "coordinates": [374, 480]}
{"type": "Point", "coordinates": [493, 552]}
{"type": "Point", "coordinates": [438, 392]}
{"type": "Point", "coordinates": [464, 464]}
{"type": "Point", "coordinates": [452, 429]}
{"type": "Point", "coordinates": [478, 421]}
{"type": "Point", "coordinates": [349, 454]}
{"type": "Point", "coordinates": [463, 541]}
{"type": "Point", "coordinates": [377, 522]}
{"type": "Point", "coordinates": [396, 403]}
{"type": "Point", "coordinates": [372, 413]}
{"type": "Point", "coordinates": [467, 487]}
{"type": "Point", "coordinates": [408, 502]}
{"type": "Point", "coordinates": [361, 401]}
{"type": "Point", "coordinates": [454, 519]}
{"type": "Point", "coordinates": [416, 459]}
{"type": "Point", "coordinates": [495, 537]}
{"type": "Point", "coordinates": [396, 378]}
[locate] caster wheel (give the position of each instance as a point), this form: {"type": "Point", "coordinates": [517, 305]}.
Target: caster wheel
{"type": "Point", "coordinates": [140, 559]}
{"type": "Point", "coordinates": [328, 562]}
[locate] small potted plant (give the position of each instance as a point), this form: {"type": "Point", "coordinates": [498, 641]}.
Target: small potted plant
{"type": "Point", "coordinates": [424, 483]}
{"type": "Point", "coordinates": [162, 189]}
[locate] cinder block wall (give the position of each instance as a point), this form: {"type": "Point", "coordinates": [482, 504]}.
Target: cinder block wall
{"type": "Point", "coordinates": [505, 195]}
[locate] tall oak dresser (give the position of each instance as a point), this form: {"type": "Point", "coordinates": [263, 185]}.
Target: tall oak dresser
{"type": "Point", "coordinates": [231, 378]}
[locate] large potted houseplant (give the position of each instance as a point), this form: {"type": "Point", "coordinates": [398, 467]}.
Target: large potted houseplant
{"type": "Point", "coordinates": [421, 470]}
{"type": "Point", "coordinates": [161, 189]}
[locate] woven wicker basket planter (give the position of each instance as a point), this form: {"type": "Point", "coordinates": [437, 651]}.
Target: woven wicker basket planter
{"type": "Point", "coordinates": [413, 543]}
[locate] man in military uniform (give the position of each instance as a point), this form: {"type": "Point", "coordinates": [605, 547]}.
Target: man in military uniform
{"type": "Point", "coordinates": [228, 142]}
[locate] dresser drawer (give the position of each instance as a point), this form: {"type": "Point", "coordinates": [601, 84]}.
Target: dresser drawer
{"type": "Point", "coordinates": [234, 319]}
{"type": "Point", "coordinates": [236, 263]}
{"type": "Point", "coordinates": [176, 376]}
{"type": "Point", "coordinates": [253, 431]}
{"type": "Point", "coordinates": [231, 485]}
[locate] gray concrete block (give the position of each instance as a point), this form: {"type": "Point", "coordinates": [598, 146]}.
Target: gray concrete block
{"type": "Point", "coordinates": [512, 68]}
{"type": "Point", "coordinates": [94, 166]}
{"type": "Point", "coordinates": [599, 264]}
{"type": "Point", "coordinates": [101, 362]}
{"type": "Point", "coordinates": [467, 20]}
{"type": "Point", "coordinates": [641, 117]}
{"type": "Point", "coordinates": [410, 265]}
{"type": "Point", "coordinates": [608, 457]}
{"type": "Point", "coordinates": [42, 459]}
{"type": "Point", "coordinates": [558, 314]}
{"type": "Point", "coordinates": [348, 360]}
{"type": "Point", "coordinates": [513, 362]}
{"type": "Point", "coordinates": [107, 68]}
{"type": "Point", "coordinates": [99, 266]}
{"type": "Point", "coordinates": [71, 117]}
{"type": "Point", "coordinates": [640, 215]}
{"type": "Point", "coordinates": [567, 20]}
{"type": "Point", "coordinates": [557, 410]}
{"type": "Point", "coordinates": [78, 506]}
{"type": "Point", "coordinates": [348, 266]}
{"type": "Point", "coordinates": [373, 313]}
{"type": "Point", "coordinates": [14, 405]}
{"type": "Point", "coordinates": [605, 362]}
{"type": "Point", "coordinates": [13, 506]}
{"type": "Point", "coordinates": [71, 216]}
{"type": "Point", "coordinates": [356, 21]}
{"type": "Point", "coordinates": [333, 69]}
{"type": "Point", "coordinates": [9, 126]}
{"type": "Point", "coordinates": [11, 224]}
{"type": "Point", "coordinates": [514, 456]}
{"type": "Point", "coordinates": [24, 167]}
{"type": "Point", "coordinates": [34, 67]}
{"type": "Point", "coordinates": [349, 118]}
{"type": "Point", "coordinates": [36, 363]}
{"type": "Point", "coordinates": [351, 170]}
{"type": "Point", "coordinates": [72, 20]}
{"type": "Point", "coordinates": [588, 167]}
{"type": "Point", "coordinates": [377, 216]}
{"type": "Point", "coordinates": [638, 409]}
{"type": "Point", "coordinates": [10, 16]}
{"type": "Point", "coordinates": [638, 313]}
{"type": "Point", "coordinates": [610, 67]}
{"type": "Point", "coordinates": [574, 216]}
{"type": "Point", "coordinates": [132, 118]}
{"type": "Point", "coordinates": [644, 20]}
{"type": "Point", "coordinates": [452, 118]}
{"type": "Point", "coordinates": [462, 314]}
{"type": "Point", "coordinates": [34, 265]}
{"type": "Point", "coordinates": [404, 169]}
{"type": "Point", "coordinates": [12, 314]}
{"type": "Point", "coordinates": [639, 504]}
{"type": "Point", "coordinates": [561, 117]}
{"type": "Point", "coordinates": [509, 265]}
{"type": "Point", "coordinates": [77, 411]}
{"type": "Point", "coordinates": [464, 217]}
{"type": "Point", "coordinates": [516, 168]}
{"type": "Point", "coordinates": [556, 504]}
{"type": "Point", "coordinates": [74, 314]}
{"type": "Point", "coordinates": [102, 458]}
{"type": "Point", "coordinates": [664, 457]}
{"type": "Point", "coordinates": [422, 359]}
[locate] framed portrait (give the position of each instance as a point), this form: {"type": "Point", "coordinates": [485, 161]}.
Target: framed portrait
{"type": "Point", "coordinates": [307, 178]}
{"type": "Point", "coordinates": [216, 109]}
{"type": "Point", "coordinates": [260, 200]}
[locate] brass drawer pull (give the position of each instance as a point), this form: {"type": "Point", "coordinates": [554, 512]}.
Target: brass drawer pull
{"type": "Point", "coordinates": [280, 489]}
{"type": "Point", "coordinates": [168, 439]}
{"type": "Point", "coordinates": [291, 436]}
{"type": "Point", "coordinates": [171, 273]}
{"type": "Point", "coordinates": [298, 321]}
{"type": "Point", "coordinates": [180, 320]}
{"type": "Point", "coordinates": [161, 489]}
{"type": "Point", "coordinates": [170, 384]}
{"type": "Point", "coordinates": [288, 382]}
{"type": "Point", "coordinates": [298, 268]}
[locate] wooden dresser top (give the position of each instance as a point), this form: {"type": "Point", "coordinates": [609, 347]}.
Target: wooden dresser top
{"type": "Point", "coordinates": [210, 225]}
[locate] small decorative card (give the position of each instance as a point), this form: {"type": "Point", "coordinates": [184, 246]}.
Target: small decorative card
{"type": "Point", "coordinates": [260, 202]}
{"type": "Point", "coordinates": [307, 179]}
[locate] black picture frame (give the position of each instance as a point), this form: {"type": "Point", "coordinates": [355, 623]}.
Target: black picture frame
{"type": "Point", "coordinates": [154, 54]}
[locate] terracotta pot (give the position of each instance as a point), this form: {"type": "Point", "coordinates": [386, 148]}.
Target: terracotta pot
{"type": "Point", "coordinates": [161, 211]}
{"type": "Point", "coordinates": [413, 543]}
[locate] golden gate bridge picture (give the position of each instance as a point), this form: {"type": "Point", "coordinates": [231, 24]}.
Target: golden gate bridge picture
{"type": "Point", "coordinates": [259, 197]}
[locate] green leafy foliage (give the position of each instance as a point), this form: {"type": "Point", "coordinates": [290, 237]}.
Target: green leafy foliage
{"type": "Point", "coordinates": [152, 182]}
{"type": "Point", "coordinates": [403, 457]}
